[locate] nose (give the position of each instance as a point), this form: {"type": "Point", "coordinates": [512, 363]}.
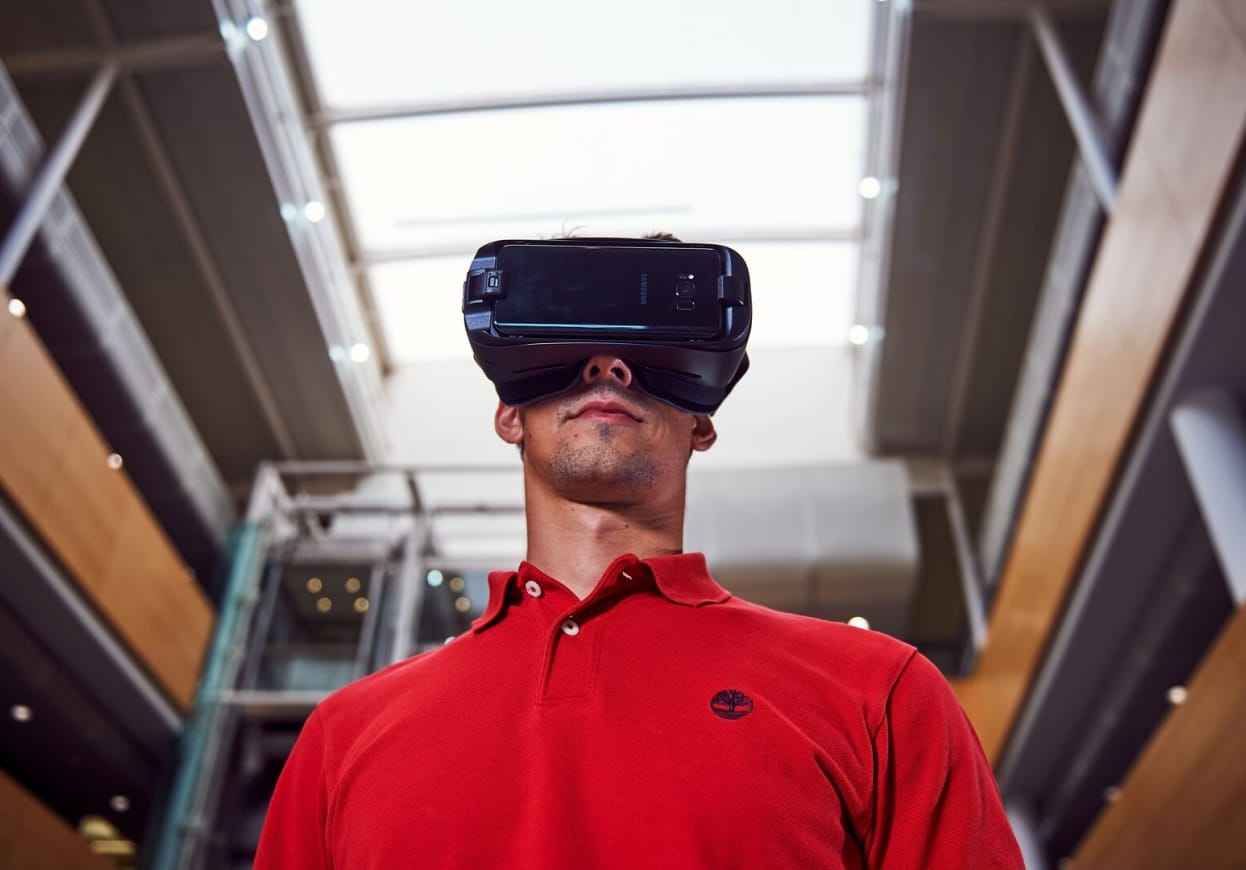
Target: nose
{"type": "Point", "coordinates": [605, 368]}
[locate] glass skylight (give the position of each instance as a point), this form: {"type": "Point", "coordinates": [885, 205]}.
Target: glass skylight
{"type": "Point", "coordinates": [380, 52]}
{"type": "Point", "coordinates": [457, 124]}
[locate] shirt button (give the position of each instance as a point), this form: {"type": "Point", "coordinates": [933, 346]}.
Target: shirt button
{"type": "Point", "coordinates": [534, 589]}
{"type": "Point", "coordinates": [570, 627]}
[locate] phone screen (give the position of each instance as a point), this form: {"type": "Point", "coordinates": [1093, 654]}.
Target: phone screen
{"type": "Point", "coordinates": [656, 292]}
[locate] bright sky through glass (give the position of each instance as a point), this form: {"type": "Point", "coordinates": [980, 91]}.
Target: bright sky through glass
{"type": "Point", "coordinates": [775, 178]}
{"type": "Point", "coordinates": [382, 52]}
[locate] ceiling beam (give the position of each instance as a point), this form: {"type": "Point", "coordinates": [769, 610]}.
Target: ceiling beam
{"type": "Point", "coordinates": [331, 117]}
{"type": "Point", "coordinates": [172, 52]}
{"type": "Point", "coordinates": [1186, 146]}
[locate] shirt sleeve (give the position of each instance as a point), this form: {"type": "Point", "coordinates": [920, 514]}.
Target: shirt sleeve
{"type": "Point", "coordinates": [294, 834]}
{"type": "Point", "coordinates": [936, 801]}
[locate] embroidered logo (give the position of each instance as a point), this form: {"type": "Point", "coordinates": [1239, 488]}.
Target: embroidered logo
{"type": "Point", "coordinates": [731, 704]}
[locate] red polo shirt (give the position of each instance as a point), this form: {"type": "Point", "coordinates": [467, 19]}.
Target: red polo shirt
{"type": "Point", "coordinates": [659, 722]}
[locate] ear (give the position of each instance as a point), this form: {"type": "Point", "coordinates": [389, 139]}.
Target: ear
{"type": "Point", "coordinates": [703, 434]}
{"type": "Point", "coordinates": [508, 424]}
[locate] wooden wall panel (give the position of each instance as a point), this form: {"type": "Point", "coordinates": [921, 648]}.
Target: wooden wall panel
{"type": "Point", "coordinates": [1186, 144]}
{"type": "Point", "coordinates": [53, 467]}
{"type": "Point", "coordinates": [32, 837]}
{"type": "Point", "coordinates": [1184, 802]}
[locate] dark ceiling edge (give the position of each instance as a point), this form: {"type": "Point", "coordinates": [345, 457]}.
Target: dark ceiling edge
{"type": "Point", "coordinates": [80, 311]}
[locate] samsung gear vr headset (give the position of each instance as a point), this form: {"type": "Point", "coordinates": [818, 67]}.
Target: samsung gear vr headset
{"type": "Point", "coordinates": [677, 313]}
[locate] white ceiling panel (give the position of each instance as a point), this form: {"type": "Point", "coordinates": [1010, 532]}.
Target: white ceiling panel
{"type": "Point", "coordinates": [689, 167]}
{"type": "Point", "coordinates": [378, 52]}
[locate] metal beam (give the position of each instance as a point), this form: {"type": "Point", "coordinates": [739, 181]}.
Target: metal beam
{"type": "Point", "coordinates": [1087, 128]}
{"type": "Point", "coordinates": [174, 52]}
{"type": "Point", "coordinates": [1211, 436]}
{"type": "Point", "coordinates": [52, 174]}
{"type": "Point", "coordinates": [328, 118]}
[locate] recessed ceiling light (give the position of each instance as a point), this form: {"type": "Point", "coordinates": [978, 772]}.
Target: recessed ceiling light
{"type": "Point", "coordinates": [462, 604]}
{"type": "Point", "coordinates": [353, 585]}
{"type": "Point", "coordinates": [17, 308]}
{"type": "Point", "coordinates": [360, 352]}
{"type": "Point", "coordinates": [119, 802]}
{"type": "Point", "coordinates": [21, 713]}
{"type": "Point", "coordinates": [1177, 695]}
{"type": "Point", "coordinates": [289, 211]}
{"type": "Point", "coordinates": [314, 211]}
{"type": "Point", "coordinates": [859, 622]}
{"type": "Point", "coordinates": [337, 353]}
{"type": "Point", "coordinates": [324, 605]}
{"type": "Point", "coordinates": [361, 605]}
{"type": "Point", "coordinates": [858, 334]}
{"type": "Point", "coordinates": [257, 28]}
{"type": "Point", "coordinates": [870, 187]}
{"type": "Point", "coordinates": [435, 577]}
{"type": "Point", "coordinates": [314, 585]}
{"type": "Point", "coordinates": [457, 584]}
{"type": "Point", "coordinates": [115, 461]}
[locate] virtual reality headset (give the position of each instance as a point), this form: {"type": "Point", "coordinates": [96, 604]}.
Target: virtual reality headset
{"type": "Point", "coordinates": [677, 313]}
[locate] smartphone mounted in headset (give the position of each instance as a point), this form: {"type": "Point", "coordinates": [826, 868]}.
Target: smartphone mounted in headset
{"type": "Point", "coordinates": [677, 313]}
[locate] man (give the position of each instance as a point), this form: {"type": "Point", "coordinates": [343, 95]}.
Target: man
{"type": "Point", "coordinates": [614, 707]}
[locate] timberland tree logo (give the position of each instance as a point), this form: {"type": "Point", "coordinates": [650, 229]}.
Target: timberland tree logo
{"type": "Point", "coordinates": [731, 704]}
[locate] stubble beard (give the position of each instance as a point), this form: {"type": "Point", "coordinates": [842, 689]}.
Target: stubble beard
{"type": "Point", "coordinates": [594, 472]}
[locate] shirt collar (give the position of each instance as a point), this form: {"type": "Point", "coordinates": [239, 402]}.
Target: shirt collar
{"type": "Point", "coordinates": [683, 578]}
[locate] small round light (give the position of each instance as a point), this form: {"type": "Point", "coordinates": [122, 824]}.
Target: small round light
{"type": "Point", "coordinates": [314, 211]}
{"type": "Point", "coordinates": [447, 640]}
{"type": "Point", "coordinates": [360, 352]}
{"type": "Point", "coordinates": [257, 28]}
{"type": "Point", "coordinates": [1177, 695]}
{"type": "Point", "coordinates": [456, 584]}
{"type": "Point", "coordinates": [17, 308]}
{"type": "Point", "coordinates": [323, 604]}
{"type": "Point", "coordinates": [1111, 794]}
{"type": "Point", "coordinates": [859, 622]}
{"type": "Point", "coordinates": [21, 713]}
{"type": "Point", "coordinates": [119, 803]}
{"type": "Point", "coordinates": [361, 605]}
{"type": "Point", "coordinates": [314, 585]}
{"type": "Point", "coordinates": [353, 585]}
{"type": "Point", "coordinates": [337, 353]}
{"type": "Point", "coordinates": [462, 604]}
{"type": "Point", "coordinates": [435, 578]}
{"type": "Point", "coordinates": [115, 461]}
{"type": "Point", "coordinates": [870, 187]}
{"type": "Point", "coordinates": [289, 211]}
{"type": "Point", "coordinates": [858, 334]}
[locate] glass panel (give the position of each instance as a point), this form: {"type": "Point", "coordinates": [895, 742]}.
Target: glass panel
{"type": "Point", "coordinates": [377, 52]}
{"type": "Point", "coordinates": [699, 169]}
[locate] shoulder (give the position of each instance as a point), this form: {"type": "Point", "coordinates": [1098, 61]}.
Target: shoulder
{"type": "Point", "coordinates": [851, 662]}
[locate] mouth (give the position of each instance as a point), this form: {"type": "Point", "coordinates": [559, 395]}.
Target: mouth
{"type": "Point", "coordinates": [604, 409]}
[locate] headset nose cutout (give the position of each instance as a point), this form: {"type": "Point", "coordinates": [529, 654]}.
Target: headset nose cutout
{"type": "Point", "coordinates": [605, 367]}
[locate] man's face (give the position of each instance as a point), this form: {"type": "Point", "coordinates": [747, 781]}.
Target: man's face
{"type": "Point", "coordinates": [605, 442]}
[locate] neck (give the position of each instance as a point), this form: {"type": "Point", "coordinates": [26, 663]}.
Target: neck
{"type": "Point", "coordinates": [575, 541]}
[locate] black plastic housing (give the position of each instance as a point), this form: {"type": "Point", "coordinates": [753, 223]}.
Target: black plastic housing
{"type": "Point", "coordinates": [688, 357]}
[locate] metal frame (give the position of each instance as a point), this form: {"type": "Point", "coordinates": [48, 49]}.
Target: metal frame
{"type": "Point", "coordinates": [329, 118]}
{"type": "Point", "coordinates": [46, 184]}
{"type": "Point", "coordinates": [1087, 128]}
